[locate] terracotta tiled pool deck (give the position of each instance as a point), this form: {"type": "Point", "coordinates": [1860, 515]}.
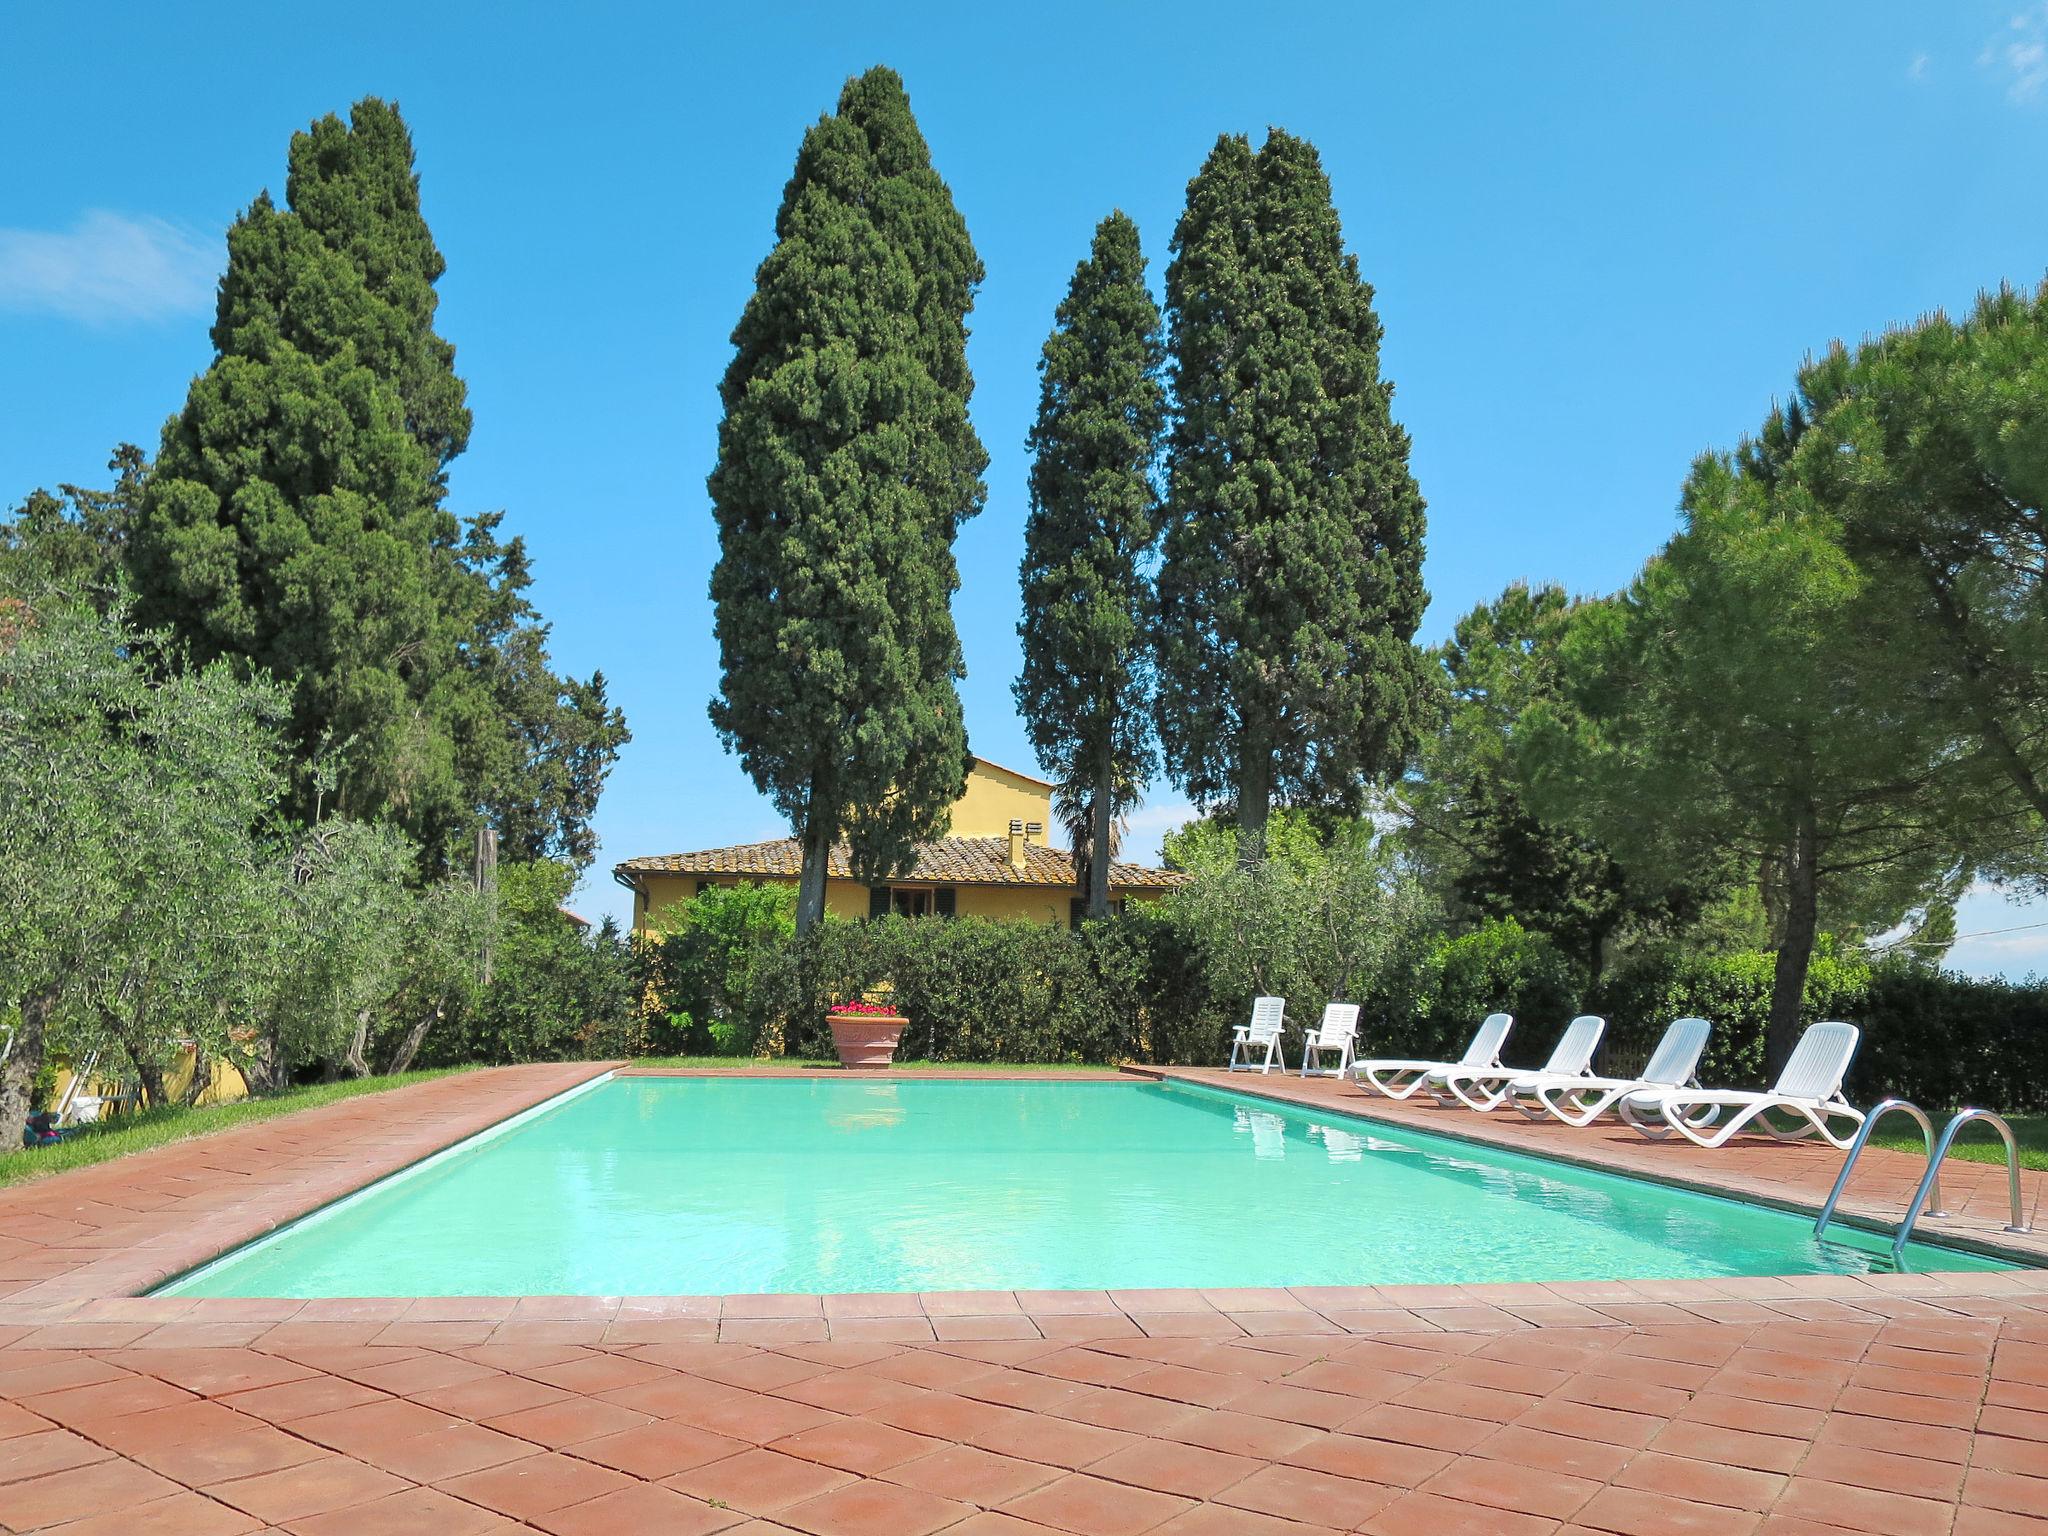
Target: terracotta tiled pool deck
{"type": "Point", "coordinates": [1894, 1404]}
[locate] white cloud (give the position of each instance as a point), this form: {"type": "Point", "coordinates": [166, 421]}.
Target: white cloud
{"type": "Point", "coordinates": [2021, 54]}
{"type": "Point", "coordinates": [1917, 70]}
{"type": "Point", "coordinates": [108, 268]}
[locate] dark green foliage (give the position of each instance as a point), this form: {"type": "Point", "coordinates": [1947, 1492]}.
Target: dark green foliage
{"type": "Point", "coordinates": [76, 541]}
{"type": "Point", "coordinates": [702, 970]}
{"type": "Point", "coordinates": [1292, 578]}
{"type": "Point", "coordinates": [973, 990]}
{"type": "Point", "coordinates": [846, 463]}
{"type": "Point", "coordinates": [1942, 1040]}
{"type": "Point", "coordinates": [294, 521]}
{"type": "Point", "coordinates": [1739, 700]}
{"type": "Point", "coordinates": [556, 991]}
{"type": "Point", "coordinates": [1101, 409]}
{"type": "Point", "coordinates": [1500, 967]}
{"type": "Point", "coordinates": [1932, 441]}
{"type": "Point", "coordinates": [1466, 810]}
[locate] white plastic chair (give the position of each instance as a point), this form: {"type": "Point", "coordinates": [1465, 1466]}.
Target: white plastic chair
{"type": "Point", "coordinates": [1338, 1032]}
{"type": "Point", "coordinates": [1403, 1079]}
{"type": "Point", "coordinates": [1810, 1088]}
{"type": "Point", "coordinates": [1261, 1035]}
{"type": "Point", "coordinates": [1673, 1064]}
{"type": "Point", "coordinates": [1571, 1060]}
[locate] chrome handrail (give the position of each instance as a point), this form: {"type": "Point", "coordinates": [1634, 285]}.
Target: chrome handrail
{"type": "Point", "coordinates": [2019, 1222]}
{"type": "Point", "coordinates": [1863, 1131]}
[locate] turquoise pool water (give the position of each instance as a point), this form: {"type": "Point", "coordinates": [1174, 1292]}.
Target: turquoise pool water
{"type": "Point", "coordinates": [679, 1186]}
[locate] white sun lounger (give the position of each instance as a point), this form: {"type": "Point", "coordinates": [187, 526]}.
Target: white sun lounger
{"type": "Point", "coordinates": [1402, 1079]}
{"type": "Point", "coordinates": [1571, 1061]}
{"type": "Point", "coordinates": [1338, 1032]}
{"type": "Point", "coordinates": [1810, 1088]}
{"type": "Point", "coordinates": [1674, 1064]}
{"type": "Point", "coordinates": [1260, 1037]}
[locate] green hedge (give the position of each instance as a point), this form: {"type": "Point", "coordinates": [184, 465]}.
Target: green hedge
{"type": "Point", "coordinates": [1140, 988]}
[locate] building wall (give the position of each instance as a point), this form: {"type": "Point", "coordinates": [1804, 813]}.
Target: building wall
{"type": "Point", "coordinates": [849, 898]}
{"type": "Point", "coordinates": [995, 797]}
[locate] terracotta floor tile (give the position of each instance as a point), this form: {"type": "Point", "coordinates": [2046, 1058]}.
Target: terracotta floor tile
{"type": "Point", "coordinates": [414, 1512]}
{"type": "Point", "coordinates": [1221, 1520]}
{"type": "Point", "coordinates": [1093, 1506]}
{"type": "Point", "coordinates": [1427, 1514]}
{"type": "Point", "coordinates": [182, 1514]}
{"type": "Point", "coordinates": [1374, 1461]}
{"type": "Point", "coordinates": [75, 1492]}
{"type": "Point", "coordinates": [873, 1509]}
{"type": "Point", "coordinates": [1861, 1509]}
{"type": "Point", "coordinates": [535, 1485]}
{"type": "Point", "coordinates": [658, 1449]}
{"type": "Point", "coordinates": [1702, 1482]}
{"type": "Point", "coordinates": [971, 1476]}
{"type": "Point", "coordinates": [302, 1399]}
{"type": "Point", "coordinates": [80, 1406]}
{"type": "Point", "coordinates": [446, 1453]}
{"type": "Point", "coordinates": [856, 1445]}
{"type": "Point", "coordinates": [488, 1395]}
{"type": "Point", "coordinates": [216, 1458]}
{"type": "Point", "coordinates": [758, 1482]}
{"type": "Point", "coordinates": [1310, 1496]}
{"type": "Point", "coordinates": [648, 1508]}
{"type": "Point", "coordinates": [1635, 1512]}
{"type": "Point", "coordinates": [52, 1450]}
{"type": "Point", "coordinates": [1420, 1426]}
{"type": "Point", "coordinates": [1512, 1486]}
{"type": "Point", "coordinates": [1884, 1471]}
{"type": "Point", "coordinates": [1164, 1466]}
{"type": "Point", "coordinates": [1730, 1447]}
{"type": "Point", "coordinates": [569, 1421]}
{"type": "Point", "coordinates": [312, 1488]}
{"type": "Point", "coordinates": [1992, 1489]}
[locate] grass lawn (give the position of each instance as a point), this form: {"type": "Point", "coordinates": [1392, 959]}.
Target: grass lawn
{"type": "Point", "coordinates": [87, 1144]}
{"type": "Point", "coordinates": [1974, 1143]}
{"type": "Point", "coordinates": [731, 1062]}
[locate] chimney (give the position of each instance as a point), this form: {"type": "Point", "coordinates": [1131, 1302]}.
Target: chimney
{"type": "Point", "coordinates": [1017, 845]}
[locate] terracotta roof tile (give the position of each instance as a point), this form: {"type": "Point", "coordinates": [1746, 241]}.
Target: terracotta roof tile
{"type": "Point", "coordinates": [944, 861]}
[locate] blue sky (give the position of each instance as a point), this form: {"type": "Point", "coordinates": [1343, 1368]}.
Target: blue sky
{"type": "Point", "coordinates": [1603, 235]}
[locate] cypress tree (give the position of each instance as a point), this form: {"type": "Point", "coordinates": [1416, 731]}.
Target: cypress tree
{"type": "Point", "coordinates": [846, 464]}
{"type": "Point", "coordinates": [294, 519]}
{"type": "Point", "coordinates": [1094, 516]}
{"type": "Point", "coordinates": [1291, 580]}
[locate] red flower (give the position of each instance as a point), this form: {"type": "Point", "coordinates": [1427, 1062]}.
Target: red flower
{"type": "Point", "coordinates": [860, 1007]}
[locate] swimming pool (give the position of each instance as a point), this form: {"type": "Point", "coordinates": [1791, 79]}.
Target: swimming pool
{"type": "Point", "coordinates": [683, 1186]}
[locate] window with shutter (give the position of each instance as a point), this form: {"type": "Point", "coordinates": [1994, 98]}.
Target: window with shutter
{"type": "Point", "coordinates": [878, 901]}
{"type": "Point", "coordinates": [944, 901]}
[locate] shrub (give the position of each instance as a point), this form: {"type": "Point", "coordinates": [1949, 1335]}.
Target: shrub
{"type": "Point", "coordinates": [700, 972]}
{"type": "Point", "coordinates": [1498, 967]}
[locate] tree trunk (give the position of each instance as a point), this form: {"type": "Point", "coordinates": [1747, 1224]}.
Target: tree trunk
{"type": "Point", "coordinates": [202, 1075]}
{"type": "Point", "coordinates": [810, 890]}
{"type": "Point", "coordinates": [1795, 945]}
{"type": "Point", "coordinates": [1098, 832]}
{"type": "Point", "coordinates": [409, 1047]}
{"type": "Point", "coordinates": [1254, 795]}
{"type": "Point", "coordinates": [150, 1074]}
{"type": "Point", "coordinates": [25, 1062]}
{"type": "Point", "coordinates": [355, 1063]}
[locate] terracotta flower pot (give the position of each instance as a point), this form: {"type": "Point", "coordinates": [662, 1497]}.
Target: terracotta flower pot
{"type": "Point", "coordinates": [866, 1041]}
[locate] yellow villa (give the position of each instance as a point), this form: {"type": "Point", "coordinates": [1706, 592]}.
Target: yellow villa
{"type": "Point", "coordinates": [995, 861]}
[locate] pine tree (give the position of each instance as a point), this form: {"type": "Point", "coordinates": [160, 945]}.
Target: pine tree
{"type": "Point", "coordinates": [846, 464]}
{"type": "Point", "coordinates": [294, 519]}
{"type": "Point", "coordinates": [1291, 584]}
{"type": "Point", "coordinates": [1094, 516]}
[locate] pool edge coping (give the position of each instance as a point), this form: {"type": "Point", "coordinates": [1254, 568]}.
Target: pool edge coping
{"type": "Point", "coordinates": [1850, 1213]}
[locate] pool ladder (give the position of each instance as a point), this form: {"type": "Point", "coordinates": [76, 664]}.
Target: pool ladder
{"type": "Point", "coordinates": [1927, 1198]}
